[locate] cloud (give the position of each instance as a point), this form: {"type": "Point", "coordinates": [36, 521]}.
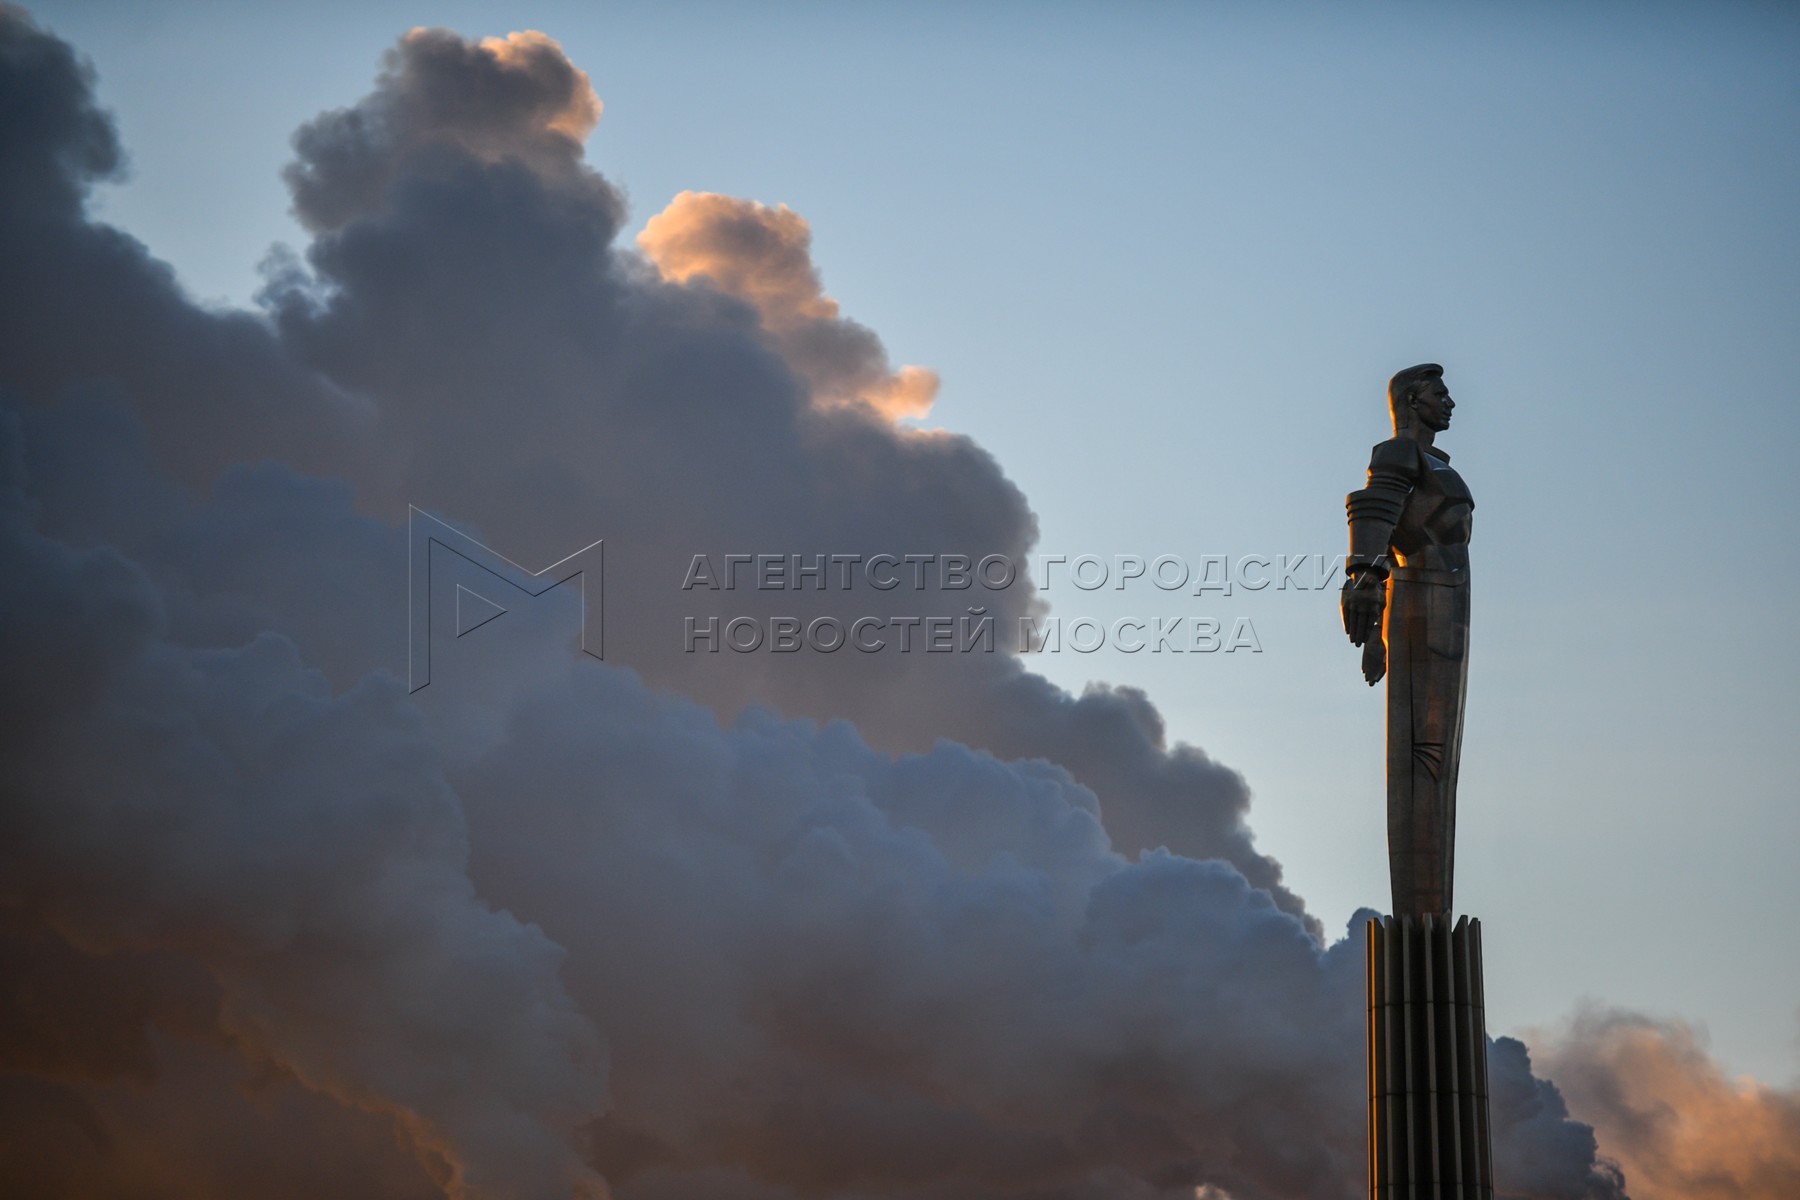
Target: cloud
{"type": "Point", "coordinates": [85, 305]}
{"type": "Point", "coordinates": [301, 848]}
{"type": "Point", "coordinates": [816, 969]}
{"type": "Point", "coordinates": [205, 1125]}
{"type": "Point", "coordinates": [549, 388]}
{"type": "Point", "coordinates": [762, 256]}
{"type": "Point", "coordinates": [836, 970]}
{"type": "Point", "coordinates": [1539, 1153]}
{"type": "Point", "coordinates": [515, 98]}
{"type": "Point", "coordinates": [1666, 1110]}
{"type": "Point", "coordinates": [676, 926]}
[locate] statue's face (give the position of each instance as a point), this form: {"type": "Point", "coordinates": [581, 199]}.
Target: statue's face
{"type": "Point", "coordinates": [1431, 405]}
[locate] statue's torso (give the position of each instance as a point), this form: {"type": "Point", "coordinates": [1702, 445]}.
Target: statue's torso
{"type": "Point", "coordinates": [1433, 532]}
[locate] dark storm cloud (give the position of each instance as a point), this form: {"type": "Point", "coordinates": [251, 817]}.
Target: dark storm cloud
{"type": "Point", "coordinates": [805, 964]}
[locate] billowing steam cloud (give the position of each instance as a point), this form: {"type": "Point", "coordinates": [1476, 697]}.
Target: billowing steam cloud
{"type": "Point", "coordinates": [570, 928]}
{"type": "Point", "coordinates": [1676, 1123]}
{"type": "Point", "coordinates": [302, 848]}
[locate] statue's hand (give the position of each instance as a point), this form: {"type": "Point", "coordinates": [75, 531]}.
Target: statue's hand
{"type": "Point", "coordinates": [1362, 605]}
{"type": "Point", "coordinates": [1374, 663]}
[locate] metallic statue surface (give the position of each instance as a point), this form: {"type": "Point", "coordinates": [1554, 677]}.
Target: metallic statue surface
{"type": "Point", "coordinates": [1406, 603]}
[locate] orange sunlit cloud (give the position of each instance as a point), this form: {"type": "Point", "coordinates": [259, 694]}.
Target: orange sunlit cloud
{"type": "Point", "coordinates": [1664, 1109]}
{"type": "Point", "coordinates": [763, 256]}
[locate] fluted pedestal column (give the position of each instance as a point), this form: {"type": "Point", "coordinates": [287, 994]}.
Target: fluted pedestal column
{"type": "Point", "coordinates": [1428, 1099]}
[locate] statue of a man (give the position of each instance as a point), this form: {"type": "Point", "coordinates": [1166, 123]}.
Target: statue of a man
{"type": "Point", "coordinates": [1409, 563]}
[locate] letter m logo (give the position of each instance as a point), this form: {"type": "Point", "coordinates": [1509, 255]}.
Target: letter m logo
{"type": "Point", "coordinates": [457, 585]}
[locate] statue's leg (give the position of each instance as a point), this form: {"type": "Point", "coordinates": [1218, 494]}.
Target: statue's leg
{"type": "Point", "coordinates": [1439, 734]}
{"type": "Point", "coordinates": [1403, 630]}
{"type": "Point", "coordinates": [1427, 631]}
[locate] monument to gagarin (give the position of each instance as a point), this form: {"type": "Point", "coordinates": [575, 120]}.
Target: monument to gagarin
{"type": "Point", "coordinates": [1406, 603]}
{"type": "Point", "coordinates": [1409, 560]}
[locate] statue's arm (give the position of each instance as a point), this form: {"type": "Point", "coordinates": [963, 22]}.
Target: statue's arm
{"type": "Point", "coordinates": [1374, 511]}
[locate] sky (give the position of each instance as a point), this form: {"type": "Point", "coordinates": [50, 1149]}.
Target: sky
{"type": "Point", "coordinates": [1162, 259]}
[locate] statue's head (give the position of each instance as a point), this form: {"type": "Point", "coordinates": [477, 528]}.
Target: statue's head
{"type": "Point", "coordinates": [1417, 396]}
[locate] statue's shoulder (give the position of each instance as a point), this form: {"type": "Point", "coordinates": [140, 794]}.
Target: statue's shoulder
{"type": "Point", "coordinates": [1400, 455]}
